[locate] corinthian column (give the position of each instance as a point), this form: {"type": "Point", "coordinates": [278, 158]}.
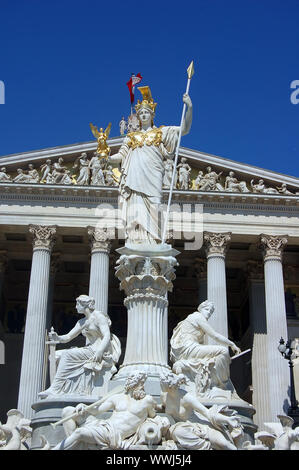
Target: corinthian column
{"type": "Point", "coordinates": [99, 267]}
{"type": "Point", "coordinates": [259, 358]}
{"type": "Point", "coordinates": [146, 280]}
{"type": "Point", "coordinates": [34, 337]}
{"type": "Point", "coordinates": [278, 374]}
{"type": "Point", "coordinates": [216, 246]}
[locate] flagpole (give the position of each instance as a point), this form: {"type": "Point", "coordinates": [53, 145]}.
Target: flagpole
{"type": "Point", "coordinates": [190, 72]}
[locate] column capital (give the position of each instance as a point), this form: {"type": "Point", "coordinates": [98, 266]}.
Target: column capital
{"type": "Point", "coordinates": [100, 239]}
{"type": "Point", "coordinates": [3, 260]}
{"type": "Point", "coordinates": [43, 236]}
{"type": "Point", "coordinates": [255, 270]}
{"type": "Point", "coordinates": [216, 244]}
{"type": "Point", "coordinates": [272, 246]}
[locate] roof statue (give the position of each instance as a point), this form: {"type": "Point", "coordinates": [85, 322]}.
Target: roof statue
{"type": "Point", "coordinates": [103, 149]}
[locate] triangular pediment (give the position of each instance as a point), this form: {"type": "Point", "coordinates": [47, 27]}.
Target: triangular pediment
{"type": "Point", "coordinates": [245, 178]}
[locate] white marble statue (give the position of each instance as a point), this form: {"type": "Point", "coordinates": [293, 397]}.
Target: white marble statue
{"type": "Point", "coordinates": [142, 169]}
{"type": "Point", "coordinates": [67, 178]}
{"type": "Point", "coordinates": [210, 181]}
{"type": "Point", "coordinates": [198, 180]}
{"type": "Point", "coordinates": [4, 177]}
{"type": "Point", "coordinates": [21, 177]}
{"type": "Point", "coordinates": [15, 432]}
{"type": "Point", "coordinates": [97, 174]}
{"type": "Point", "coordinates": [261, 188]}
{"type": "Point", "coordinates": [184, 171]}
{"type": "Point", "coordinates": [109, 177]}
{"type": "Point", "coordinates": [46, 171]}
{"type": "Point", "coordinates": [79, 368]}
{"type": "Point", "coordinates": [233, 185]}
{"type": "Point", "coordinates": [60, 174]}
{"type": "Point", "coordinates": [168, 170]}
{"type": "Point", "coordinates": [281, 436]}
{"type": "Point", "coordinates": [33, 174]}
{"type": "Point", "coordinates": [133, 123]}
{"type": "Point", "coordinates": [205, 365]}
{"type": "Point", "coordinates": [122, 126]}
{"type": "Point", "coordinates": [197, 427]}
{"type": "Point", "coordinates": [130, 409]}
{"type": "Point", "coordinates": [31, 177]}
{"type": "Point", "coordinates": [284, 190]}
{"type": "Point", "coordinates": [83, 163]}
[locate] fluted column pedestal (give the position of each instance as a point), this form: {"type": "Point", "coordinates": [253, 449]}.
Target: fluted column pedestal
{"type": "Point", "coordinates": [278, 373]}
{"type": "Point", "coordinates": [99, 267]}
{"type": "Point", "coordinates": [216, 247]}
{"type": "Point", "coordinates": [34, 338]}
{"type": "Point", "coordinates": [146, 277]}
{"type": "Point", "coordinates": [259, 357]}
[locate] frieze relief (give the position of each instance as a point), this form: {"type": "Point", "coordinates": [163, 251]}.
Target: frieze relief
{"type": "Point", "coordinates": [94, 170]}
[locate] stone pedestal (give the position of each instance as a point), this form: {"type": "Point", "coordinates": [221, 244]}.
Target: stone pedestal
{"type": "Point", "coordinates": [216, 247]}
{"type": "Point", "coordinates": [99, 267]}
{"type": "Point", "coordinates": [31, 380]}
{"type": "Point", "coordinates": [277, 367]}
{"type": "Point", "coordinates": [146, 275]}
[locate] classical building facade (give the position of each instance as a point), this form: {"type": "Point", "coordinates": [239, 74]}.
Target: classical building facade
{"type": "Point", "coordinates": [52, 249]}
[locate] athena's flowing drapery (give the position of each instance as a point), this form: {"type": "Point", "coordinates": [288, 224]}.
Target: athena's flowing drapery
{"type": "Point", "coordinates": [141, 181]}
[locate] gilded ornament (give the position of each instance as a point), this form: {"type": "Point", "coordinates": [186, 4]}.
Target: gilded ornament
{"type": "Point", "coordinates": [147, 101]}
{"type": "Point", "coordinates": [103, 149]}
{"type": "Point", "coordinates": [151, 137]}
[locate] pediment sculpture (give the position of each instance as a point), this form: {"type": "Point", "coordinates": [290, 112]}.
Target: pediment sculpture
{"type": "Point", "coordinates": [97, 170]}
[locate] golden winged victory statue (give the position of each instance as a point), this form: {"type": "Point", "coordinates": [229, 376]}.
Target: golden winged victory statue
{"type": "Point", "coordinates": [102, 135]}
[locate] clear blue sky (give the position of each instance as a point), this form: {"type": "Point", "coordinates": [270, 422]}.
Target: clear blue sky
{"type": "Point", "coordinates": [66, 63]}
